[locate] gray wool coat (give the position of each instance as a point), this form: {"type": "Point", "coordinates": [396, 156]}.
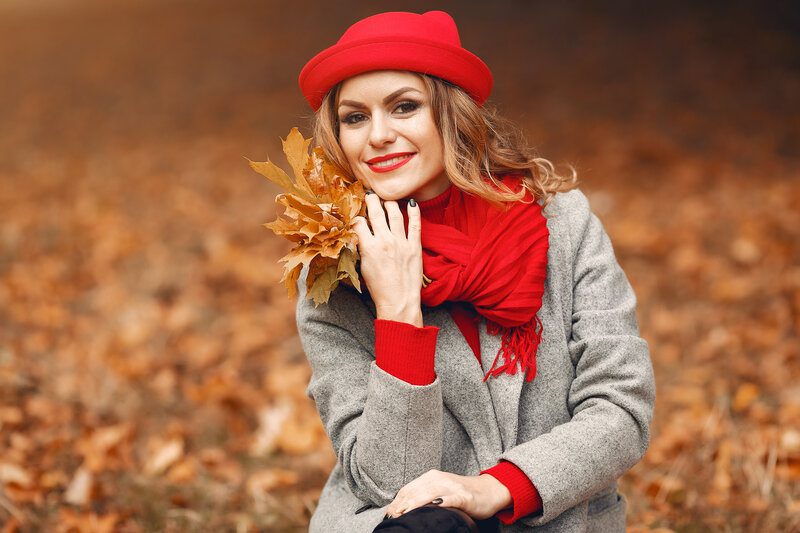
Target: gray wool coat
{"type": "Point", "coordinates": [574, 430]}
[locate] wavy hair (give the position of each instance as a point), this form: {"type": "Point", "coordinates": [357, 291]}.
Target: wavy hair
{"type": "Point", "coordinates": [477, 143]}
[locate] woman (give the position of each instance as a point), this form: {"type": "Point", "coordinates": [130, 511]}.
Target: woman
{"type": "Point", "coordinates": [492, 374]}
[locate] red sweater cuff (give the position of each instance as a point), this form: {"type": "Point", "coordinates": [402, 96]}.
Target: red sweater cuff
{"type": "Point", "coordinates": [406, 351]}
{"type": "Point", "coordinates": [525, 497]}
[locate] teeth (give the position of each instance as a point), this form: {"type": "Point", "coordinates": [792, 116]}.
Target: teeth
{"type": "Point", "coordinates": [390, 162]}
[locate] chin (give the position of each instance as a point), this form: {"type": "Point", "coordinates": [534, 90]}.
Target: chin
{"type": "Point", "coordinates": [391, 196]}
{"type": "Point", "coordinates": [387, 193]}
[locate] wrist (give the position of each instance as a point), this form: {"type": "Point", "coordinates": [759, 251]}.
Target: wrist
{"type": "Point", "coordinates": [499, 494]}
{"type": "Point", "coordinates": [410, 314]}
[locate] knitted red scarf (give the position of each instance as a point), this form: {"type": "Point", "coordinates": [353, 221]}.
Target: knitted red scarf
{"type": "Point", "coordinates": [497, 261]}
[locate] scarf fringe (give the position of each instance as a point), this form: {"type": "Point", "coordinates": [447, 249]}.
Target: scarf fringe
{"type": "Point", "coordinates": [519, 345]}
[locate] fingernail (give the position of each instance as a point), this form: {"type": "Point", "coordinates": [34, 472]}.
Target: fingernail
{"type": "Point", "coordinates": [369, 191]}
{"type": "Point", "coordinates": [386, 517]}
{"type": "Point", "coordinates": [363, 508]}
{"type": "Point", "coordinates": [412, 203]}
{"type": "Point", "coordinates": [437, 501]}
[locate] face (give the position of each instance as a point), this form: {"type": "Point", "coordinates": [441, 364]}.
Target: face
{"type": "Point", "coordinates": [387, 133]}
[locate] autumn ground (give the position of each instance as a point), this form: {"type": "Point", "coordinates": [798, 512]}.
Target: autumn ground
{"type": "Point", "coordinates": [150, 374]}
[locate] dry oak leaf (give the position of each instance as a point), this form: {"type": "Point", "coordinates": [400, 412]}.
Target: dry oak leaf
{"type": "Point", "coordinates": [319, 207]}
{"type": "Point", "coordinates": [79, 491]}
{"type": "Point", "coordinates": [163, 454]}
{"type": "Point", "coordinates": [12, 473]}
{"type": "Point", "coordinates": [267, 480]}
{"type": "Point", "coordinates": [104, 447]}
{"type": "Point", "coordinates": [72, 521]}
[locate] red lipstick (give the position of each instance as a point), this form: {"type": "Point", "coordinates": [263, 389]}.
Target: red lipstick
{"type": "Point", "coordinates": [406, 157]}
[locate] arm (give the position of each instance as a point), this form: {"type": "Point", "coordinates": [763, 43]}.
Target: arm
{"type": "Point", "coordinates": [509, 493]}
{"type": "Point", "coordinates": [385, 432]}
{"type": "Point", "coordinates": [612, 395]}
{"type": "Point", "coordinates": [524, 499]}
{"type": "Point", "coordinates": [406, 351]}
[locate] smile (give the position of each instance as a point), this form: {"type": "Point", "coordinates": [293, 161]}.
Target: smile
{"type": "Point", "coordinates": [390, 164]}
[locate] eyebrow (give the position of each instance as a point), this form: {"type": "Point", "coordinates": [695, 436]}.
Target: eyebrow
{"type": "Point", "coordinates": [386, 100]}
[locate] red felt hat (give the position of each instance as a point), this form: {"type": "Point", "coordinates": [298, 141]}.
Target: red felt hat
{"type": "Point", "coordinates": [427, 43]}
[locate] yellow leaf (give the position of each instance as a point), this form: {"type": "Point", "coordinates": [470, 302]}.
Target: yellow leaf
{"type": "Point", "coordinates": [297, 207]}
{"type": "Point", "coordinates": [296, 149]}
{"type": "Point", "coordinates": [324, 284]}
{"type": "Point", "coordinates": [347, 265]}
{"type": "Point", "coordinates": [290, 280]}
{"type": "Point", "coordinates": [316, 178]}
{"type": "Point", "coordinates": [264, 481]}
{"type": "Point", "coordinates": [270, 425]}
{"type": "Point", "coordinates": [330, 168]}
{"type": "Point", "coordinates": [298, 257]}
{"type": "Point", "coordinates": [318, 217]}
{"type": "Point", "coordinates": [745, 395]}
{"type": "Point", "coordinates": [285, 228]}
{"type": "Point", "coordinates": [12, 473]}
{"type": "Point", "coordinates": [163, 455]}
{"type": "Point", "coordinates": [274, 173]}
{"type": "Point", "coordinates": [72, 520]}
{"type": "Point", "coordinates": [79, 491]}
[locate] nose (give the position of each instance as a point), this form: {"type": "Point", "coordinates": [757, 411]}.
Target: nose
{"type": "Point", "coordinates": [381, 131]}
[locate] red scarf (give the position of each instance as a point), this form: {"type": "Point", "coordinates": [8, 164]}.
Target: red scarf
{"type": "Point", "coordinates": [497, 261]}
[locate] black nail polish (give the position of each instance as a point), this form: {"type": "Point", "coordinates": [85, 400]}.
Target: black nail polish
{"type": "Point", "coordinates": [363, 508]}
{"type": "Point", "coordinates": [412, 203]}
{"type": "Point", "coordinates": [386, 517]}
{"type": "Point", "coordinates": [437, 501]}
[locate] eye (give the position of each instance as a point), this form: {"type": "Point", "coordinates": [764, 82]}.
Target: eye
{"type": "Point", "coordinates": [352, 118]}
{"type": "Point", "coordinates": [408, 106]}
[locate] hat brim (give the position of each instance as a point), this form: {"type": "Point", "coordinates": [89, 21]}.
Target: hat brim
{"type": "Point", "coordinates": [339, 62]}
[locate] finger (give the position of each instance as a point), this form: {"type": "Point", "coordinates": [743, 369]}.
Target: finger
{"type": "Point", "coordinates": [422, 497]}
{"type": "Point", "coordinates": [395, 514]}
{"type": "Point", "coordinates": [421, 500]}
{"type": "Point", "coordinates": [377, 217]}
{"type": "Point", "coordinates": [395, 507]}
{"type": "Point", "coordinates": [362, 230]}
{"type": "Point", "coordinates": [415, 493]}
{"type": "Point", "coordinates": [399, 505]}
{"type": "Point", "coordinates": [414, 224]}
{"type": "Point", "coordinates": [395, 218]}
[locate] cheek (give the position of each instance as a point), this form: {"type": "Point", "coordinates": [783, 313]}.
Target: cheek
{"type": "Point", "coordinates": [349, 146]}
{"type": "Point", "coordinates": [428, 139]}
{"type": "Point", "coordinates": [434, 151]}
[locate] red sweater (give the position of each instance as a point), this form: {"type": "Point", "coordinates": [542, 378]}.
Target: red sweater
{"type": "Point", "coordinates": [395, 341]}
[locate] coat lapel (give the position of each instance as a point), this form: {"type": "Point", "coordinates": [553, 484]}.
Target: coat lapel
{"type": "Point", "coordinates": [504, 389]}
{"type": "Point", "coordinates": [463, 390]}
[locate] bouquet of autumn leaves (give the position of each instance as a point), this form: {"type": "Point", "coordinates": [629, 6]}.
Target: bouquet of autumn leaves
{"type": "Point", "coordinates": [320, 204]}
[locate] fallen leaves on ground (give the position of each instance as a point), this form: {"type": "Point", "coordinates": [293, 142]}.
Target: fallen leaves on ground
{"type": "Point", "coordinates": [151, 378]}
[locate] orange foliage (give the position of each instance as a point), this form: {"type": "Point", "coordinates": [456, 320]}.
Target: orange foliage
{"type": "Point", "coordinates": [320, 206]}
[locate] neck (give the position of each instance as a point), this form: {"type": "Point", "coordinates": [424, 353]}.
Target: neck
{"type": "Point", "coordinates": [433, 209]}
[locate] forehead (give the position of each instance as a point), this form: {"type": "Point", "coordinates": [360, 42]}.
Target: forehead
{"type": "Point", "coordinates": [379, 83]}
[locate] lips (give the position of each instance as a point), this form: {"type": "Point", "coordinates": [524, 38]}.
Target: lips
{"type": "Point", "coordinates": [388, 162]}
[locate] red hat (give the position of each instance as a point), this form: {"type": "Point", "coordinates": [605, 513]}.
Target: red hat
{"type": "Point", "coordinates": [427, 43]}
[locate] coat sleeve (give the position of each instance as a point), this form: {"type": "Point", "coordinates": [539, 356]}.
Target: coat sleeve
{"type": "Point", "coordinates": [612, 394]}
{"type": "Point", "coordinates": [385, 432]}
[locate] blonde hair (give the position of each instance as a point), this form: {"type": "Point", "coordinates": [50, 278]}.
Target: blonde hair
{"type": "Point", "coordinates": [477, 143]}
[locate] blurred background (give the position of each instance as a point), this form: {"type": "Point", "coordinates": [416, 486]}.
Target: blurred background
{"type": "Point", "coordinates": [151, 378]}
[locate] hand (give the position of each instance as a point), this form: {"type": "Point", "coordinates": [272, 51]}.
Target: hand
{"type": "Point", "coordinates": [478, 496]}
{"type": "Point", "coordinates": [391, 263]}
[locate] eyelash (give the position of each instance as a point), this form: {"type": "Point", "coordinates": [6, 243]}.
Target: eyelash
{"type": "Point", "coordinates": [349, 118]}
